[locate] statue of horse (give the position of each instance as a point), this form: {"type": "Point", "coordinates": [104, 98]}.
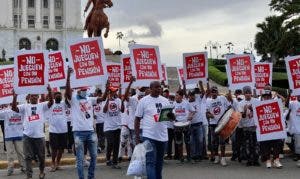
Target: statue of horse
{"type": "Point", "coordinates": [98, 19]}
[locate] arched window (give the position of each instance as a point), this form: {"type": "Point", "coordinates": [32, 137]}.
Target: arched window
{"type": "Point", "coordinates": [24, 43]}
{"type": "Point", "coordinates": [52, 44]}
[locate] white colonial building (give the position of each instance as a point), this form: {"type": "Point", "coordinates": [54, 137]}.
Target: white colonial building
{"type": "Point", "coordinates": [39, 24]}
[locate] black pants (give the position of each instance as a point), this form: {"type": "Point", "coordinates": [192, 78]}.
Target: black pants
{"type": "Point", "coordinates": [238, 144]}
{"type": "Point", "coordinates": [113, 143]}
{"type": "Point", "coordinates": [2, 128]}
{"type": "Point", "coordinates": [181, 136]}
{"type": "Point", "coordinates": [251, 146]}
{"type": "Point", "coordinates": [70, 136]}
{"type": "Point", "coordinates": [170, 141]}
{"type": "Point", "coordinates": [270, 147]}
{"type": "Point", "coordinates": [33, 147]}
{"type": "Point", "coordinates": [100, 135]}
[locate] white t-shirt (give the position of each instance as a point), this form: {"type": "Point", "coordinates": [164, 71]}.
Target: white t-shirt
{"type": "Point", "coordinates": [197, 107]}
{"type": "Point", "coordinates": [170, 124]}
{"type": "Point", "coordinates": [182, 110]}
{"type": "Point", "coordinates": [131, 106]}
{"type": "Point", "coordinates": [58, 122]}
{"type": "Point", "coordinates": [248, 121]}
{"type": "Point", "coordinates": [68, 114]}
{"type": "Point", "coordinates": [34, 119]}
{"type": "Point", "coordinates": [217, 107]}
{"type": "Point", "coordinates": [13, 123]}
{"type": "Point", "coordinates": [203, 110]}
{"type": "Point", "coordinates": [148, 109]}
{"type": "Point", "coordinates": [294, 122]}
{"type": "Point", "coordinates": [98, 112]}
{"type": "Point", "coordinates": [113, 115]}
{"type": "Point", "coordinates": [82, 113]}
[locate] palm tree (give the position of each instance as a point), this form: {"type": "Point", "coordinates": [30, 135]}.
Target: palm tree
{"type": "Point", "coordinates": [120, 36]}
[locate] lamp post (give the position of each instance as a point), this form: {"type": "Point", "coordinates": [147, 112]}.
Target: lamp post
{"type": "Point", "coordinates": [213, 45]}
{"type": "Point", "coordinates": [229, 45]}
{"type": "Point", "coordinates": [120, 35]}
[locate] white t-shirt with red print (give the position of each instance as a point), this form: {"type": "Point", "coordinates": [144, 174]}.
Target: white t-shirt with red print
{"type": "Point", "coordinates": [34, 119]}
{"type": "Point", "coordinates": [182, 110]}
{"type": "Point", "coordinates": [217, 107]}
{"type": "Point", "coordinates": [148, 109]}
{"type": "Point", "coordinates": [294, 117]}
{"type": "Point", "coordinates": [98, 112]}
{"type": "Point", "coordinates": [82, 113]}
{"type": "Point", "coordinates": [13, 123]}
{"type": "Point", "coordinates": [113, 115]}
{"type": "Point", "coordinates": [58, 122]}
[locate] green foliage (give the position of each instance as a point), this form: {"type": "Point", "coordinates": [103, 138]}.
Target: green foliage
{"type": "Point", "coordinates": [6, 62]}
{"type": "Point", "coordinates": [217, 76]}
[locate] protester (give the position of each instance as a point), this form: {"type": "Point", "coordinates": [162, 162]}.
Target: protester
{"type": "Point", "coordinates": [70, 141]}
{"type": "Point", "coordinates": [216, 106]}
{"type": "Point", "coordinates": [156, 133]}
{"type": "Point", "coordinates": [249, 127]}
{"type": "Point", "coordinates": [171, 135]}
{"type": "Point", "coordinates": [34, 136]}
{"type": "Point", "coordinates": [112, 124]}
{"type": "Point", "coordinates": [83, 127]}
{"type": "Point", "coordinates": [58, 129]}
{"type": "Point", "coordinates": [270, 147]}
{"type": "Point", "coordinates": [13, 125]}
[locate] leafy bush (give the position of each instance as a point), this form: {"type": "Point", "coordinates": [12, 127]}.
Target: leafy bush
{"type": "Point", "coordinates": [221, 68]}
{"type": "Point", "coordinates": [6, 62]}
{"type": "Point", "coordinates": [219, 61]}
{"type": "Point", "coordinates": [279, 69]}
{"type": "Point", "coordinates": [217, 76]}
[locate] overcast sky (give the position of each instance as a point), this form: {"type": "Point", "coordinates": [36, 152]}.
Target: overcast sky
{"type": "Point", "coordinates": [180, 26]}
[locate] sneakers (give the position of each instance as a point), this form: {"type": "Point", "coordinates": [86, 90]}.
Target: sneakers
{"type": "Point", "coordinates": [277, 163]}
{"type": "Point", "coordinates": [298, 163]}
{"type": "Point", "coordinates": [10, 172]}
{"type": "Point", "coordinates": [217, 160]}
{"type": "Point", "coordinates": [281, 156]}
{"type": "Point", "coordinates": [223, 161]}
{"type": "Point", "coordinates": [268, 164]}
{"type": "Point", "coordinates": [86, 163]}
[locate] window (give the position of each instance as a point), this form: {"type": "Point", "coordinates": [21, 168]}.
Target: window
{"type": "Point", "coordinates": [31, 22]}
{"type": "Point", "coordinates": [58, 22]}
{"type": "Point", "coordinates": [17, 21]}
{"type": "Point", "coordinates": [58, 4]}
{"type": "Point", "coordinates": [30, 4]}
{"type": "Point", "coordinates": [45, 22]}
{"type": "Point", "coordinates": [45, 4]}
{"type": "Point", "coordinates": [24, 43]}
{"type": "Point", "coordinates": [52, 44]}
{"type": "Point", "coordinates": [16, 3]}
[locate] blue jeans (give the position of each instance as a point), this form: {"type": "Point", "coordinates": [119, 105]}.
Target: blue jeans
{"type": "Point", "coordinates": [90, 138]}
{"type": "Point", "coordinates": [197, 139]}
{"type": "Point", "coordinates": [155, 158]}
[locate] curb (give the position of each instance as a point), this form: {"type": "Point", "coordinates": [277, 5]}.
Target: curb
{"type": "Point", "coordinates": [71, 161]}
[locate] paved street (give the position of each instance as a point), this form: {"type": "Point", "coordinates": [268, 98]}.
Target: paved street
{"type": "Point", "coordinates": [172, 170]}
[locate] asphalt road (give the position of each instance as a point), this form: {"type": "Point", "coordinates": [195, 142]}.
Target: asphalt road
{"type": "Point", "coordinates": [173, 170]}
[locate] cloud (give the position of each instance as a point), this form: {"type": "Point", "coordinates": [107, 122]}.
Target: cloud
{"type": "Point", "coordinates": [151, 28]}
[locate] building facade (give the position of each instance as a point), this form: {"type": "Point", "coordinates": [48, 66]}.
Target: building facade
{"type": "Point", "coordinates": [39, 24]}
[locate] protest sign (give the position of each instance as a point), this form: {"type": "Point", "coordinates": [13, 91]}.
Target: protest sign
{"type": "Point", "coordinates": [268, 116]}
{"type": "Point", "coordinates": [240, 71]}
{"type": "Point", "coordinates": [195, 67]}
{"type": "Point", "coordinates": [57, 69]}
{"type": "Point", "coordinates": [126, 71]}
{"type": "Point", "coordinates": [164, 73]}
{"type": "Point", "coordinates": [263, 75]}
{"type": "Point", "coordinates": [6, 83]}
{"type": "Point", "coordinates": [180, 74]}
{"type": "Point", "coordinates": [146, 66]}
{"type": "Point", "coordinates": [114, 74]}
{"type": "Point", "coordinates": [86, 57]}
{"type": "Point", "coordinates": [31, 72]}
{"type": "Point", "coordinates": [293, 73]}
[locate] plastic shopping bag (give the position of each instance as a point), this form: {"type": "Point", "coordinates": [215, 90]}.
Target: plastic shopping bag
{"type": "Point", "coordinates": [137, 166]}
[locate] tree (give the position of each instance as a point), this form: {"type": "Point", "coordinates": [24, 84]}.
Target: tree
{"type": "Point", "coordinates": [120, 36]}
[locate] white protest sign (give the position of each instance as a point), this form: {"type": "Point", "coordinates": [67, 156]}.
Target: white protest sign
{"type": "Point", "coordinates": [57, 69]}
{"type": "Point", "coordinates": [164, 73]}
{"type": "Point", "coordinates": [240, 71]}
{"type": "Point", "coordinates": [195, 67]}
{"type": "Point", "coordinates": [87, 58]}
{"type": "Point", "coordinates": [180, 75]}
{"type": "Point", "coordinates": [293, 72]}
{"type": "Point", "coordinates": [126, 71]}
{"type": "Point", "coordinates": [31, 72]}
{"type": "Point", "coordinates": [114, 74]}
{"type": "Point", "coordinates": [6, 83]}
{"type": "Point", "coordinates": [146, 65]}
{"type": "Point", "coordinates": [263, 75]}
{"type": "Point", "coordinates": [268, 116]}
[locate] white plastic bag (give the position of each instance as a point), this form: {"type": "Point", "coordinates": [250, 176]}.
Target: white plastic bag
{"type": "Point", "coordinates": [137, 166]}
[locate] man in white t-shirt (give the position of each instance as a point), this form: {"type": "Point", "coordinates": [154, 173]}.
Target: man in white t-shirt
{"type": "Point", "coordinates": [215, 108]}
{"type": "Point", "coordinates": [155, 132]}
{"type": "Point", "coordinates": [58, 129]}
{"type": "Point", "coordinates": [33, 114]}
{"type": "Point", "coordinates": [294, 123]}
{"type": "Point", "coordinates": [112, 126]}
{"type": "Point", "coordinates": [249, 128]}
{"type": "Point", "coordinates": [83, 126]}
{"type": "Point", "coordinates": [13, 126]}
